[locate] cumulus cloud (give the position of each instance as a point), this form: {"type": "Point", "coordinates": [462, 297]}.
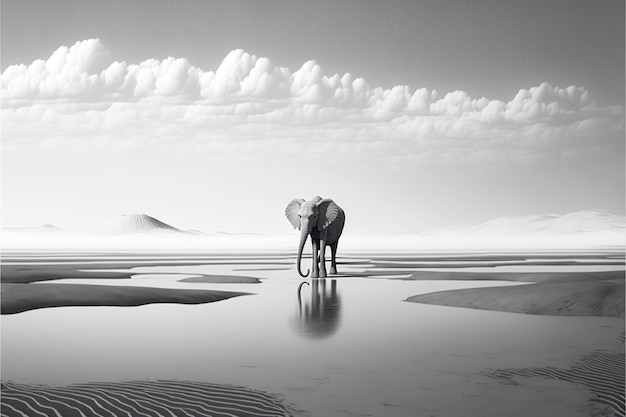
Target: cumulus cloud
{"type": "Point", "coordinates": [81, 92]}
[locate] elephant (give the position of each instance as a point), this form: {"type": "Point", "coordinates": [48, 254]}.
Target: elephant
{"type": "Point", "coordinates": [320, 316]}
{"type": "Point", "coordinates": [323, 219]}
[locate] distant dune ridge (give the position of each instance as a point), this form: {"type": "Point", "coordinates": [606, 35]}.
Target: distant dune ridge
{"type": "Point", "coordinates": [584, 221]}
{"type": "Point", "coordinates": [134, 224]}
{"type": "Point", "coordinates": [42, 228]}
{"type": "Point", "coordinates": [587, 229]}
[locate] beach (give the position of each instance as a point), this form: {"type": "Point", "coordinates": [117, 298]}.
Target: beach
{"type": "Point", "coordinates": [238, 320]}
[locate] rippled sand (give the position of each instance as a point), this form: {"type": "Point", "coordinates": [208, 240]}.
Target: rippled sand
{"type": "Point", "coordinates": [139, 398]}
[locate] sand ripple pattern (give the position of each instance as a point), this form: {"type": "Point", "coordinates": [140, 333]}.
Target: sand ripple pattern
{"type": "Point", "coordinates": [138, 399]}
{"type": "Point", "coordinates": [601, 372]}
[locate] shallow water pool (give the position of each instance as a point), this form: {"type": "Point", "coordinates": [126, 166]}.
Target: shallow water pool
{"type": "Point", "coordinates": [350, 346]}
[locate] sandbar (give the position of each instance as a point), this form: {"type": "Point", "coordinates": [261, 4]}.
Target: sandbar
{"type": "Point", "coordinates": [222, 279]}
{"type": "Point", "coordinates": [24, 274]}
{"type": "Point", "coordinates": [557, 294]}
{"type": "Point", "coordinates": [17, 298]}
{"type": "Point", "coordinates": [24, 287]}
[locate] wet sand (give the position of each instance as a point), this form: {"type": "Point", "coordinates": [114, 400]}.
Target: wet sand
{"type": "Point", "coordinates": [567, 293]}
{"type": "Point", "coordinates": [559, 294]}
{"type": "Point", "coordinates": [139, 398]}
{"type": "Point", "coordinates": [24, 288]}
{"type": "Point", "coordinates": [34, 273]}
{"type": "Point", "coordinates": [222, 279]}
{"type": "Point", "coordinates": [601, 372]}
{"type": "Point", "coordinates": [18, 298]}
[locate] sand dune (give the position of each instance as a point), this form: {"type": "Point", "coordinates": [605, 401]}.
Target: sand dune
{"type": "Point", "coordinates": [139, 398]}
{"type": "Point", "coordinates": [134, 223]}
{"type": "Point", "coordinates": [42, 228]}
{"type": "Point", "coordinates": [584, 221]}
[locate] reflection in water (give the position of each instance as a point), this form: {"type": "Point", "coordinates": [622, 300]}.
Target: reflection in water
{"type": "Point", "coordinates": [318, 315]}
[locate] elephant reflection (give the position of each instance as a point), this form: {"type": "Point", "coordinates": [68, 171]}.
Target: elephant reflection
{"type": "Point", "coordinates": [319, 315]}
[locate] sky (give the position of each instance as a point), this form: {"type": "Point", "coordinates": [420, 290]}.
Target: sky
{"type": "Point", "coordinates": [214, 115]}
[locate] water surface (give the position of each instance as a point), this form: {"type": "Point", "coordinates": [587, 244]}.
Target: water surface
{"type": "Point", "coordinates": [352, 346]}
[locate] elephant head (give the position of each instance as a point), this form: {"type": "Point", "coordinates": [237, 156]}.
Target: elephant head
{"type": "Point", "coordinates": [311, 217]}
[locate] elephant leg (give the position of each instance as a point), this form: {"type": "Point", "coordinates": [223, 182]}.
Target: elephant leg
{"type": "Point", "coordinates": [315, 269]}
{"type": "Point", "coordinates": [322, 258]}
{"type": "Point", "coordinates": [333, 261]}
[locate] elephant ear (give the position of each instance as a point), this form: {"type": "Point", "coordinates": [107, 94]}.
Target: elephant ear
{"type": "Point", "coordinates": [328, 213]}
{"type": "Point", "coordinates": [291, 211]}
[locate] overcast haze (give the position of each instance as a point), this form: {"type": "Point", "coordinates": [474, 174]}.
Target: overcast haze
{"type": "Point", "coordinates": [214, 115]}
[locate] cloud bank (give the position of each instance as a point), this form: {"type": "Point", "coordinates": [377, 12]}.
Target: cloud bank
{"type": "Point", "coordinates": [80, 98]}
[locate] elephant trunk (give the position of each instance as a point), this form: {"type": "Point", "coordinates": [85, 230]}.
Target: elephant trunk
{"type": "Point", "coordinates": [300, 293]}
{"type": "Point", "coordinates": [303, 235]}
